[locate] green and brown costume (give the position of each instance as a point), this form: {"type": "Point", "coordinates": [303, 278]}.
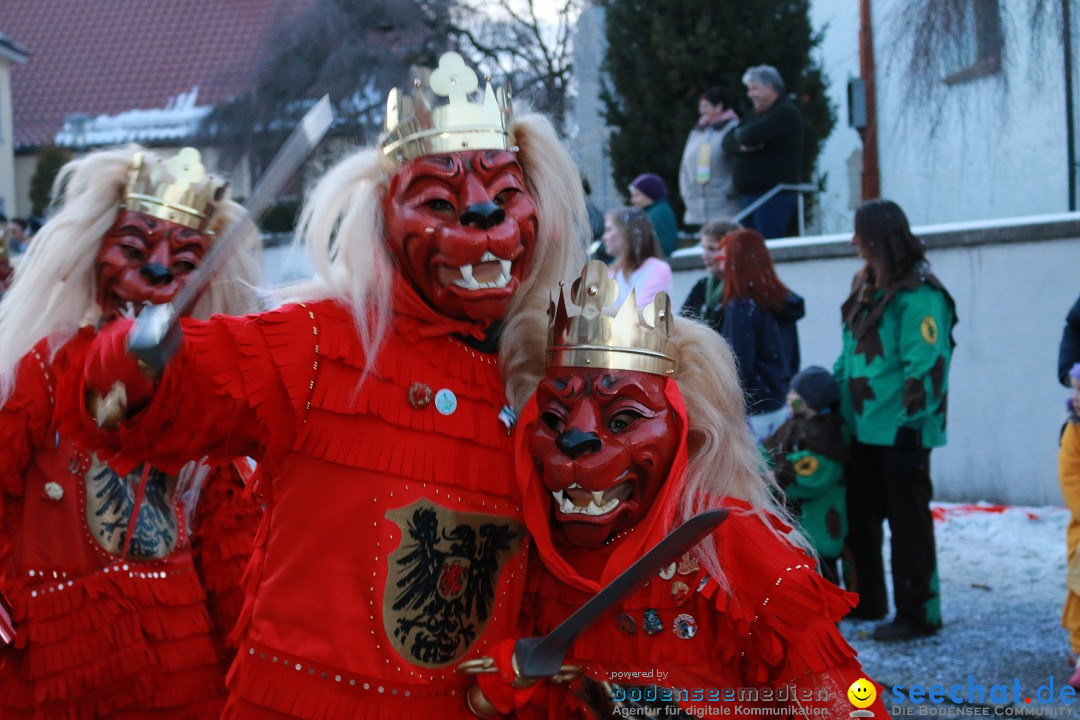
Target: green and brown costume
{"type": "Point", "coordinates": [893, 376]}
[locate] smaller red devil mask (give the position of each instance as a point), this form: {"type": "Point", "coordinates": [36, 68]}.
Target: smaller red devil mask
{"type": "Point", "coordinates": [603, 445]}
{"type": "Point", "coordinates": [144, 260]}
{"type": "Point", "coordinates": [462, 228]}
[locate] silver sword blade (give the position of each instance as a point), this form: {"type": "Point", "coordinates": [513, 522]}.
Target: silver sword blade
{"type": "Point", "coordinates": [149, 338]}
{"type": "Point", "coordinates": [542, 657]}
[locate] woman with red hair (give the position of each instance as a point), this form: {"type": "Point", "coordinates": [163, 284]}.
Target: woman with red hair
{"type": "Point", "coordinates": [759, 319]}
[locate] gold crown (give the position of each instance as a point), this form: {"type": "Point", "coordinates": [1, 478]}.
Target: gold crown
{"type": "Point", "coordinates": [177, 189]}
{"type": "Point", "coordinates": [414, 129]}
{"type": "Point", "coordinates": [619, 342]}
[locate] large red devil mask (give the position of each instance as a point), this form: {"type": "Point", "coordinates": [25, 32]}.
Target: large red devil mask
{"type": "Point", "coordinates": [144, 260]}
{"type": "Point", "coordinates": [603, 444]}
{"type": "Point", "coordinates": [462, 229]}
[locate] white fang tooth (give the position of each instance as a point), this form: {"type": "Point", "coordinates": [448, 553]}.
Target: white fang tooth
{"type": "Point", "coordinates": [488, 257]}
{"type": "Point", "coordinates": [467, 280]}
{"type": "Point", "coordinates": [598, 498]}
{"type": "Point", "coordinates": [505, 265]}
{"type": "Point", "coordinates": [567, 507]}
{"type": "Point", "coordinates": [574, 486]}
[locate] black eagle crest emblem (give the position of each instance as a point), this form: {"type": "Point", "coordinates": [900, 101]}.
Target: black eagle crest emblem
{"type": "Point", "coordinates": [110, 502]}
{"type": "Point", "coordinates": [442, 579]}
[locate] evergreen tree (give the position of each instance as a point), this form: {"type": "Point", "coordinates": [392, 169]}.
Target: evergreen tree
{"type": "Point", "coordinates": [662, 53]}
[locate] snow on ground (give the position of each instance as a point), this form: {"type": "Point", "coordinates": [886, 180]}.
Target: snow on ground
{"type": "Point", "coordinates": [1002, 586]}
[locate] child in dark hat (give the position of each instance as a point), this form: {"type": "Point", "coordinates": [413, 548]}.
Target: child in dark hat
{"type": "Point", "coordinates": [808, 453]}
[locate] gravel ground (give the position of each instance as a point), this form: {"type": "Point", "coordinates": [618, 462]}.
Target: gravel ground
{"type": "Point", "coordinates": [1003, 585]}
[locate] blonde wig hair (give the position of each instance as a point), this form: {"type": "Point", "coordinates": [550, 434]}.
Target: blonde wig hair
{"type": "Point", "coordinates": [342, 227]}
{"type": "Point", "coordinates": [724, 459]}
{"type": "Point", "coordinates": [54, 292]}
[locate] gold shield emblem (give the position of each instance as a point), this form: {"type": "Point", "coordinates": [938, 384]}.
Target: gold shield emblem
{"type": "Point", "coordinates": [442, 578]}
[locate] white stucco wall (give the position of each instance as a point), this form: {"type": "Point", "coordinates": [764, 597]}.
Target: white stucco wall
{"type": "Point", "coordinates": [1005, 405]}
{"type": "Point", "coordinates": [7, 161]}
{"type": "Point", "coordinates": [839, 60]}
{"type": "Point", "coordinates": [999, 149]}
{"type": "Point", "coordinates": [589, 141]}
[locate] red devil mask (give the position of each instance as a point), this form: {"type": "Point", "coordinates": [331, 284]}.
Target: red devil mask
{"type": "Point", "coordinates": [604, 445]}
{"type": "Point", "coordinates": [462, 228]}
{"type": "Point", "coordinates": [144, 260]}
{"type": "Point", "coordinates": [618, 433]}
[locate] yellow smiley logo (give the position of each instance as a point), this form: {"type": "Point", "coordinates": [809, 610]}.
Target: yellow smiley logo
{"type": "Point", "coordinates": [929, 329]}
{"type": "Point", "coordinates": [862, 693]}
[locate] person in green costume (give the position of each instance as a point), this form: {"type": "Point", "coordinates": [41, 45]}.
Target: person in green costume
{"type": "Point", "coordinates": [808, 453]}
{"type": "Point", "coordinates": [893, 374]}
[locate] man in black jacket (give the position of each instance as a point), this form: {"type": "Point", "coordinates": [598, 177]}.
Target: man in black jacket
{"type": "Point", "coordinates": [766, 150]}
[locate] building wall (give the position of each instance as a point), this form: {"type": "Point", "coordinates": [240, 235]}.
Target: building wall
{"type": "Point", "coordinates": [589, 141]}
{"type": "Point", "coordinates": [1013, 283]}
{"type": "Point", "coordinates": [7, 164]}
{"type": "Point", "coordinates": [839, 58]}
{"type": "Point", "coordinates": [997, 150]}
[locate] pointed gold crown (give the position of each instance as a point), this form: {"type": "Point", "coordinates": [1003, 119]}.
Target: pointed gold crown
{"type": "Point", "coordinates": [619, 342]}
{"type": "Point", "coordinates": [414, 129]}
{"type": "Point", "coordinates": [177, 189]}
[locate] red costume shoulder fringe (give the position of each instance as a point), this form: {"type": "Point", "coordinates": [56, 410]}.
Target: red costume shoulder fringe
{"type": "Point", "coordinates": [785, 612]}
{"type": "Point", "coordinates": [223, 532]}
{"type": "Point", "coordinates": [111, 641]}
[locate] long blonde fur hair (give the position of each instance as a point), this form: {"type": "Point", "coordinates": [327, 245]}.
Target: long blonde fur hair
{"type": "Point", "coordinates": [724, 459]}
{"type": "Point", "coordinates": [342, 227]}
{"type": "Point", "coordinates": [54, 292]}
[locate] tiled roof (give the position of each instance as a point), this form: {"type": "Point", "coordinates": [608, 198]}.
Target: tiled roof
{"type": "Point", "coordinates": [108, 57]}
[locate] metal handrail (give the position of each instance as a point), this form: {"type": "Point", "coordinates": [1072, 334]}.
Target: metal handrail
{"type": "Point", "coordinates": [773, 192]}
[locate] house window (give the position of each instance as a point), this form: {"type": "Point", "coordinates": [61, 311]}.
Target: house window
{"type": "Point", "coordinates": [983, 43]}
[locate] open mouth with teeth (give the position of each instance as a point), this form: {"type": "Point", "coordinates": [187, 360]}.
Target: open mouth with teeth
{"type": "Point", "coordinates": [492, 272]}
{"type": "Point", "coordinates": [127, 308]}
{"type": "Point", "coordinates": [576, 503]}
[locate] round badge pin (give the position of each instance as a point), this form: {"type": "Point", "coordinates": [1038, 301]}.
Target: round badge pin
{"type": "Point", "coordinates": [652, 623]}
{"type": "Point", "coordinates": [446, 401]}
{"type": "Point", "coordinates": [668, 572]}
{"type": "Point", "coordinates": [419, 396]}
{"type": "Point", "coordinates": [684, 626]}
{"type": "Point", "coordinates": [626, 624]}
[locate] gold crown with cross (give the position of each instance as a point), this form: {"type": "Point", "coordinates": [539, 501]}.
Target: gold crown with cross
{"type": "Point", "coordinates": [623, 341]}
{"type": "Point", "coordinates": [415, 129]}
{"type": "Point", "coordinates": [177, 189]}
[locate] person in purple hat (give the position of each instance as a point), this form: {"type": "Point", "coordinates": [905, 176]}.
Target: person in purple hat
{"type": "Point", "coordinates": [650, 193]}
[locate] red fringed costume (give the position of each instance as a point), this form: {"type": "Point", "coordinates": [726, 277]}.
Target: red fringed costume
{"type": "Point", "coordinates": [100, 634]}
{"type": "Point", "coordinates": [771, 629]}
{"type": "Point", "coordinates": [391, 547]}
